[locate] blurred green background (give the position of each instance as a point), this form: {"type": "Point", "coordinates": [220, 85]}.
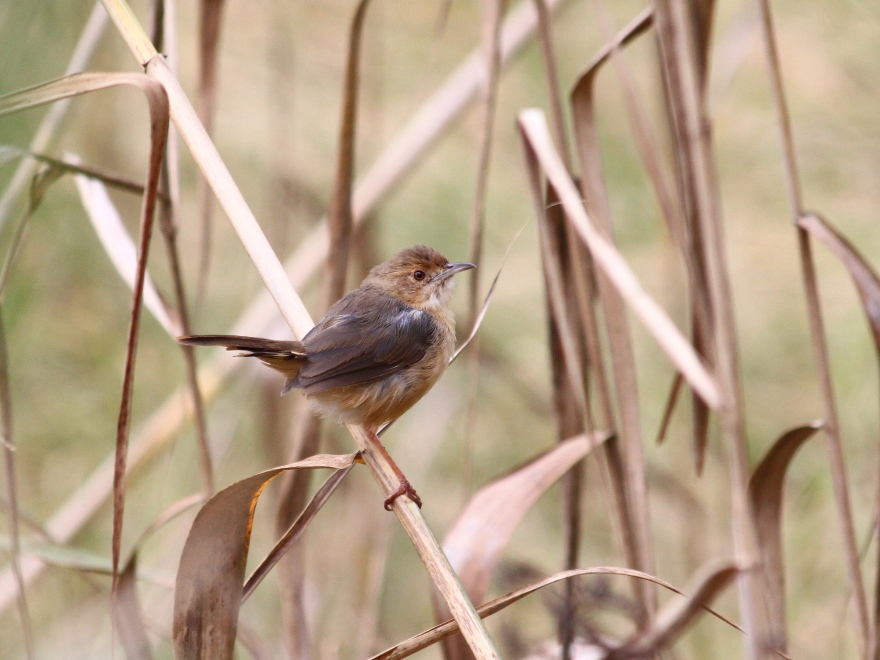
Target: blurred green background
{"type": "Point", "coordinates": [280, 81]}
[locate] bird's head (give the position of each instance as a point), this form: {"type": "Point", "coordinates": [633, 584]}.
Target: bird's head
{"type": "Point", "coordinates": [420, 276]}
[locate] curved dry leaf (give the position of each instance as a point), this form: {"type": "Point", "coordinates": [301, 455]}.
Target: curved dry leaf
{"type": "Point", "coordinates": [210, 576]}
{"type": "Point", "coordinates": [475, 542]}
{"type": "Point", "coordinates": [295, 530]}
{"type": "Point", "coordinates": [866, 280]}
{"type": "Point", "coordinates": [441, 631]}
{"type": "Point", "coordinates": [675, 617]}
{"type": "Point", "coordinates": [765, 494]}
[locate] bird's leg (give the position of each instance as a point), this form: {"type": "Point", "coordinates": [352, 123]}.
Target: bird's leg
{"type": "Point", "coordinates": [405, 488]}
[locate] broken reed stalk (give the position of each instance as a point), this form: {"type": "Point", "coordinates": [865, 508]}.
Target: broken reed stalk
{"type": "Point", "coordinates": [272, 272]}
{"type": "Point", "coordinates": [867, 639]}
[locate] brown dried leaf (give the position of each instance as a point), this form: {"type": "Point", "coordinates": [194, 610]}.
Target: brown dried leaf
{"type": "Point", "coordinates": [864, 277]}
{"type": "Point", "coordinates": [209, 587]}
{"type": "Point", "coordinates": [675, 617]}
{"type": "Point", "coordinates": [476, 541]}
{"type": "Point", "coordinates": [765, 494]}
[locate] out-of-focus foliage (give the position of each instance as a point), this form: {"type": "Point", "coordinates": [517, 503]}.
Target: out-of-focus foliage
{"type": "Point", "coordinates": [280, 81]}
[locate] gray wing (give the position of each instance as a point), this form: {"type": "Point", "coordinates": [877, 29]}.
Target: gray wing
{"type": "Point", "coordinates": [354, 345]}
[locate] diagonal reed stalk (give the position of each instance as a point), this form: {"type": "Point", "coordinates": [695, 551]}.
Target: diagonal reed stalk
{"type": "Point", "coordinates": [294, 312]}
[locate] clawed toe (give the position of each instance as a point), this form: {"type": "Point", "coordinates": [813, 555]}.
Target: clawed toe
{"type": "Point", "coordinates": [403, 489]}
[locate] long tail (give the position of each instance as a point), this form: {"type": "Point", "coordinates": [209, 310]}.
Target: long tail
{"type": "Point", "coordinates": [284, 356]}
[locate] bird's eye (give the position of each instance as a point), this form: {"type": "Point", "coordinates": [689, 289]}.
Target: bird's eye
{"type": "Point", "coordinates": [419, 275]}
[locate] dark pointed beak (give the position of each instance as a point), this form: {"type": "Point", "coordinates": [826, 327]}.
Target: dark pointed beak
{"type": "Point", "coordinates": [452, 269]}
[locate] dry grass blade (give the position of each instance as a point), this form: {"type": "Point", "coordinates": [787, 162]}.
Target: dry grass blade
{"type": "Point", "coordinates": [120, 248]}
{"type": "Point", "coordinates": [868, 285]}
{"type": "Point", "coordinates": [442, 631]}
{"type": "Point", "coordinates": [210, 17]}
{"type": "Point", "coordinates": [475, 542]}
{"type": "Point", "coordinates": [45, 134]}
{"type": "Point", "coordinates": [478, 321]}
{"type": "Point", "coordinates": [657, 322]}
{"type": "Point", "coordinates": [296, 529]}
{"type": "Point", "coordinates": [491, 10]}
{"type": "Point", "coordinates": [70, 164]}
{"type": "Point", "coordinates": [680, 37]}
{"type": "Point", "coordinates": [571, 397]}
{"type": "Point", "coordinates": [765, 493]}
{"type": "Point", "coordinates": [340, 218]}
{"type": "Point", "coordinates": [8, 442]}
{"type": "Point", "coordinates": [556, 114]}
{"type": "Point", "coordinates": [867, 636]}
{"type": "Point", "coordinates": [209, 588]}
{"type": "Point", "coordinates": [863, 275]}
{"type": "Point", "coordinates": [674, 618]}
{"type": "Point", "coordinates": [165, 37]}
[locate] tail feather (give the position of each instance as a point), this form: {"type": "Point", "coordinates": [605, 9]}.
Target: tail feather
{"type": "Point", "coordinates": [283, 356]}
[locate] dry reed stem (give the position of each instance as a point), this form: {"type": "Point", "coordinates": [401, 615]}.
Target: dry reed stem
{"type": "Point", "coordinates": [210, 16]}
{"type": "Point", "coordinates": [656, 321]}
{"type": "Point", "coordinates": [868, 635]}
{"type": "Point", "coordinates": [683, 73]}
{"type": "Point", "coordinates": [165, 34]}
{"type": "Point", "coordinates": [627, 466]}
{"type": "Point", "coordinates": [119, 246]}
{"type": "Point", "coordinates": [492, 11]}
{"type": "Point", "coordinates": [570, 419]}
{"type": "Point", "coordinates": [294, 312]}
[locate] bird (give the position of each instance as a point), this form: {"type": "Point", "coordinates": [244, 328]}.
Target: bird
{"type": "Point", "coordinates": [375, 353]}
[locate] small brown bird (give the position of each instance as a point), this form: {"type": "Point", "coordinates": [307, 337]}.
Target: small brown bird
{"type": "Point", "coordinates": [378, 350]}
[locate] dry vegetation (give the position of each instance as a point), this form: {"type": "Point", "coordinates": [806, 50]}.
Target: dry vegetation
{"type": "Point", "coordinates": [673, 386]}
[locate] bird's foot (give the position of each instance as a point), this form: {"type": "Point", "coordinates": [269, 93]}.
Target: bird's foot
{"type": "Point", "coordinates": [403, 489]}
